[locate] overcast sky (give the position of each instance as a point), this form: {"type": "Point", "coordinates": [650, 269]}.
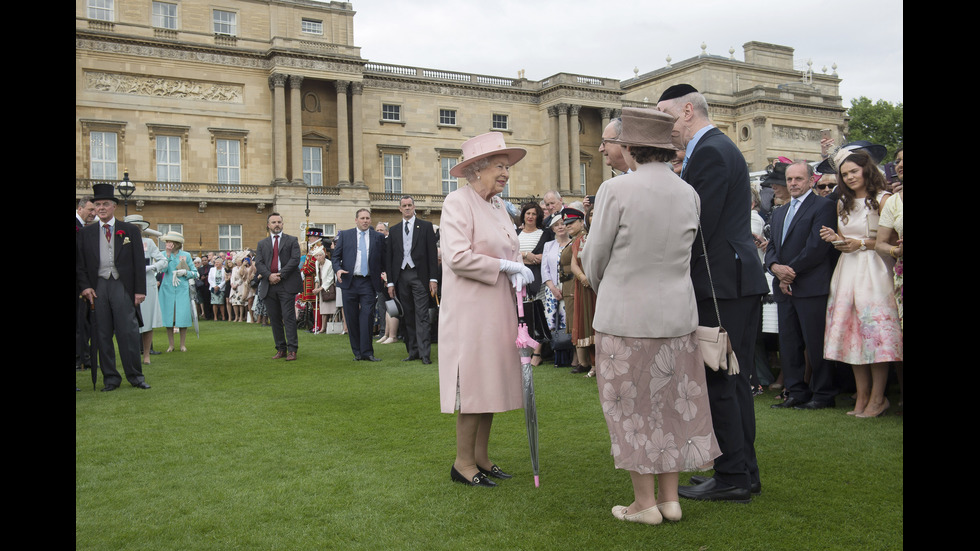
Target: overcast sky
{"type": "Point", "coordinates": [499, 37]}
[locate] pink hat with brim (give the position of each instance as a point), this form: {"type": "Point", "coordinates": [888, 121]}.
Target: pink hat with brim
{"type": "Point", "coordinates": [486, 145]}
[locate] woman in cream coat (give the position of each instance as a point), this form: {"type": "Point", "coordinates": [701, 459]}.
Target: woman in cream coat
{"type": "Point", "coordinates": [479, 365]}
{"type": "Point", "coordinates": [649, 368]}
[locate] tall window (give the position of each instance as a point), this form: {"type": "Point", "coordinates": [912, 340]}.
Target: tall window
{"type": "Point", "coordinates": [449, 182]}
{"type": "Point", "coordinates": [311, 26]}
{"type": "Point", "coordinates": [230, 237]}
{"type": "Point", "coordinates": [103, 150]}
{"type": "Point", "coordinates": [313, 166]}
{"type": "Point", "coordinates": [100, 9]}
{"type": "Point", "coordinates": [229, 162]}
{"type": "Point", "coordinates": [225, 22]}
{"type": "Point", "coordinates": [391, 112]}
{"type": "Point", "coordinates": [447, 117]}
{"type": "Point", "coordinates": [499, 122]}
{"type": "Point", "coordinates": [393, 173]}
{"type": "Point", "coordinates": [581, 171]}
{"type": "Point", "coordinates": [168, 158]}
{"type": "Point", "coordinates": [165, 15]}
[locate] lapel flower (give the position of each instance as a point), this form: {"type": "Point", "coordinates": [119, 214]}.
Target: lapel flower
{"type": "Point", "coordinates": [120, 232]}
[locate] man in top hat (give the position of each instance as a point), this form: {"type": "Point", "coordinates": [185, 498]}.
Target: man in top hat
{"type": "Point", "coordinates": [410, 263]}
{"type": "Point", "coordinates": [802, 264]}
{"type": "Point", "coordinates": [358, 260]}
{"type": "Point", "coordinates": [277, 263]}
{"type": "Point", "coordinates": [716, 169]}
{"type": "Point", "coordinates": [110, 270]}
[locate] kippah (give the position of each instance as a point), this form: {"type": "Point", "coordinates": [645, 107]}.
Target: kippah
{"type": "Point", "coordinates": [676, 91]}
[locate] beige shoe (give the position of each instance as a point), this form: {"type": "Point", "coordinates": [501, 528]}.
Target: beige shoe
{"type": "Point", "coordinates": [671, 510]}
{"type": "Point", "coordinates": [646, 516]}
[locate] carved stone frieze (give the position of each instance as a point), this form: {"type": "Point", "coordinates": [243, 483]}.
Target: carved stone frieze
{"type": "Point", "coordinates": [796, 134]}
{"type": "Point", "coordinates": [443, 90]}
{"type": "Point", "coordinates": [161, 87]}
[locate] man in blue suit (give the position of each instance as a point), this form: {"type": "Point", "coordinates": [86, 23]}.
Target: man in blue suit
{"type": "Point", "coordinates": [802, 264]}
{"type": "Point", "coordinates": [716, 169]}
{"type": "Point", "coordinates": [357, 262]}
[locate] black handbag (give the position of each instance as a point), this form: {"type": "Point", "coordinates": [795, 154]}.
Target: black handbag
{"type": "Point", "coordinates": [537, 323]}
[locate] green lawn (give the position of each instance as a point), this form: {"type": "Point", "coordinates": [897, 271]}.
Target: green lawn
{"type": "Point", "coordinates": [233, 450]}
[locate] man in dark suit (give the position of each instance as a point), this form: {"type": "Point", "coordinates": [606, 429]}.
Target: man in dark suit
{"type": "Point", "coordinates": [411, 263]}
{"type": "Point", "coordinates": [84, 215]}
{"type": "Point", "coordinates": [715, 168]}
{"type": "Point", "coordinates": [802, 264]}
{"type": "Point", "coordinates": [277, 262]}
{"type": "Point", "coordinates": [358, 262]}
{"type": "Point", "coordinates": [110, 271]}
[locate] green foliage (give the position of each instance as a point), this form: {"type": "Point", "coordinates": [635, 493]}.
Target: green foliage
{"type": "Point", "coordinates": [880, 122]}
{"type": "Point", "coordinates": [233, 450]}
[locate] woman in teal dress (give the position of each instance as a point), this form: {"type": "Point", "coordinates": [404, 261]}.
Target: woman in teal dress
{"type": "Point", "coordinates": [175, 289]}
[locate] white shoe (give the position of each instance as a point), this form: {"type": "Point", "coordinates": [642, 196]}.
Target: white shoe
{"type": "Point", "coordinates": [670, 510]}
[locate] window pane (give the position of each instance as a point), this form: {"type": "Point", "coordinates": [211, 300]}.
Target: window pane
{"type": "Point", "coordinates": [447, 116]}
{"type": "Point", "coordinates": [499, 122]}
{"type": "Point", "coordinates": [168, 158]}
{"type": "Point", "coordinates": [313, 166]}
{"type": "Point", "coordinates": [393, 173]}
{"type": "Point", "coordinates": [164, 15]}
{"type": "Point", "coordinates": [100, 9]}
{"type": "Point", "coordinates": [391, 112]}
{"type": "Point", "coordinates": [311, 26]}
{"type": "Point", "coordinates": [228, 166]}
{"type": "Point", "coordinates": [225, 22]}
{"type": "Point", "coordinates": [449, 182]}
{"type": "Point", "coordinates": [103, 151]}
{"type": "Point", "coordinates": [230, 237]}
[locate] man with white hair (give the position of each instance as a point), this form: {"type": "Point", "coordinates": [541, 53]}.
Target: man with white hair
{"type": "Point", "coordinates": [551, 205]}
{"type": "Point", "coordinates": [716, 169]}
{"type": "Point", "coordinates": [612, 153]}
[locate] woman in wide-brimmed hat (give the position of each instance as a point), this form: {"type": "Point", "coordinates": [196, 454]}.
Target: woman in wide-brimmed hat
{"type": "Point", "coordinates": [650, 371]}
{"type": "Point", "coordinates": [175, 297]}
{"type": "Point", "coordinates": [155, 263]}
{"type": "Point", "coordinates": [479, 366]}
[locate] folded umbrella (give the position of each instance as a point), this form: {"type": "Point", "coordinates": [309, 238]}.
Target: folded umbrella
{"type": "Point", "coordinates": [526, 345]}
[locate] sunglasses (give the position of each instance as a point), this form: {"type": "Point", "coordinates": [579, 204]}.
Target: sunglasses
{"type": "Point", "coordinates": [825, 186]}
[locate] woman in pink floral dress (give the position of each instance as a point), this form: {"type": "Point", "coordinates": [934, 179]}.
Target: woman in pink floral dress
{"type": "Point", "coordinates": [649, 368]}
{"type": "Point", "coordinates": [862, 316]}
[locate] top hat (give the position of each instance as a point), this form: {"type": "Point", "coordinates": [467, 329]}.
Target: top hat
{"type": "Point", "coordinates": [486, 145]}
{"type": "Point", "coordinates": [104, 191]}
{"type": "Point", "coordinates": [646, 128]}
{"type": "Point", "coordinates": [314, 232]}
{"type": "Point", "coordinates": [394, 307]}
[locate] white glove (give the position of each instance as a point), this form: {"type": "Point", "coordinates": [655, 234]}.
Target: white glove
{"type": "Point", "coordinates": [151, 268]}
{"type": "Point", "coordinates": [518, 273]}
{"type": "Point", "coordinates": [181, 272]}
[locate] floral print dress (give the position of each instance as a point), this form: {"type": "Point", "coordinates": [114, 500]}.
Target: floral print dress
{"type": "Point", "coordinates": [655, 401]}
{"type": "Point", "coordinates": [862, 315]}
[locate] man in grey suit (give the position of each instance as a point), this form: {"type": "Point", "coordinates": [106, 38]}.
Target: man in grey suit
{"type": "Point", "coordinates": [716, 169]}
{"type": "Point", "coordinates": [411, 263]}
{"type": "Point", "coordinates": [110, 271]}
{"type": "Point", "coordinates": [277, 262]}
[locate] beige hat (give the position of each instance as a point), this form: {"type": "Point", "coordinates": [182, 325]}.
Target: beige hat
{"type": "Point", "coordinates": [137, 219]}
{"type": "Point", "coordinates": [646, 128]}
{"type": "Point", "coordinates": [486, 145]}
{"type": "Point", "coordinates": [174, 236]}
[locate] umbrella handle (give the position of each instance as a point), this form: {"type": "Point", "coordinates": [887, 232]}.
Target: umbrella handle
{"type": "Point", "coordinates": [520, 302]}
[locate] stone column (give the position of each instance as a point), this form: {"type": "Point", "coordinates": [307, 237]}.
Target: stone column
{"type": "Point", "coordinates": [606, 169]}
{"type": "Point", "coordinates": [296, 126]}
{"type": "Point", "coordinates": [357, 131]}
{"type": "Point", "coordinates": [575, 150]}
{"type": "Point", "coordinates": [277, 83]}
{"type": "Point", "coordinates": [552, 148]}
{"type": "Point", "coordinates": [343, 152]}
{"type": "Point", "coordinates": [563, 148]}
{"type": "Point", "coordinates": [761, 130]}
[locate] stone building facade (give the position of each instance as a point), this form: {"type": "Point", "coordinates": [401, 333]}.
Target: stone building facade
{"type": "Point", "coordinates": [221, 113]}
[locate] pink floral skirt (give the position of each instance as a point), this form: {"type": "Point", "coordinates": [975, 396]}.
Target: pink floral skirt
{"type": "Point", "coordinates": [655, 401]}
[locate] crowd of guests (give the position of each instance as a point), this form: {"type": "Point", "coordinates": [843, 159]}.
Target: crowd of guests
{"type": "Point", "coordinates": [620, 284]}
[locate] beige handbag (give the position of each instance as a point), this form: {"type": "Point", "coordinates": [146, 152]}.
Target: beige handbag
{"type": "Point", "coordinates": [716, 347]}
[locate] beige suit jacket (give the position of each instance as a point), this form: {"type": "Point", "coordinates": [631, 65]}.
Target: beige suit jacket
{"type": "Point", "coordinates": [638, 254]}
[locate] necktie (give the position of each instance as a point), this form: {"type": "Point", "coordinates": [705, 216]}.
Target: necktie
{"type": "Point", "coordinates": [108, 232]}
{"type": "Point", "coordinates": [362, 247]}
{"type": "Point", "coordinates": [406, 229]}
{"type": "Point", "coordinates": [274, 268]}
{"type": "Point", "coordinates": [789, 217]}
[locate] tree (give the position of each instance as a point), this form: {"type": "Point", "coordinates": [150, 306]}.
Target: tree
{"type": "Point", "coordinates": [879, 122]}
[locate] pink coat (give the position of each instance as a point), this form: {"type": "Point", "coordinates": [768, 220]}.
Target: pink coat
{"type": "Point", "coordinates": [478, 315]}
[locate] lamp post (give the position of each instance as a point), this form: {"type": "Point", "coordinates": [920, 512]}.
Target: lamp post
{"type": "Point", "coordinates": [126, 189]}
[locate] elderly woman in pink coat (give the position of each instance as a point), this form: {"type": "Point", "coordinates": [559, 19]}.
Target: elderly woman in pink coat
{"type": "Point", "coordinates": [479, 365]}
